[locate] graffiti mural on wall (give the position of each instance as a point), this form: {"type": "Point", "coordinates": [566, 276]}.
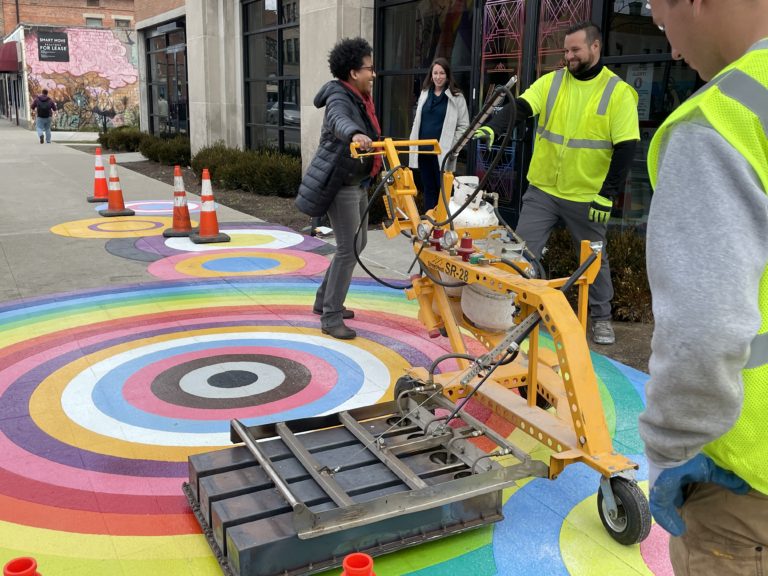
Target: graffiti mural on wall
{"type": "Point", "coordinates": [99, 86]}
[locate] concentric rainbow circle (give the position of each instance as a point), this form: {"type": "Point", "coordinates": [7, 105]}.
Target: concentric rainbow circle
{"type": "Point", "coordinates": [118, 227]}
{"type": "Point", "coordinates": [153, 207]}
{"type": "Point", "coordinates": [243, 236]}
{"type": "Point", "coordinates": [220, 263]}
{"type": "Point", "coordinates": [99, 413]}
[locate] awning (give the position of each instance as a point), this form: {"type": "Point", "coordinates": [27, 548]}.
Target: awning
{"type": "Point", "coordinates": [8, 58]}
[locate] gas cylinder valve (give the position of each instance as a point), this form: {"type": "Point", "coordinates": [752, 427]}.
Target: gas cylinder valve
{"type": "Point", "coordinates": [437, 236]}
{"type": "Point", "coordinates": [466, 247]}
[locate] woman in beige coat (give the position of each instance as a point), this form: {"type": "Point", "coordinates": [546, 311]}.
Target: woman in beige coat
{"type": "Point", "coordinates": [441, 114]}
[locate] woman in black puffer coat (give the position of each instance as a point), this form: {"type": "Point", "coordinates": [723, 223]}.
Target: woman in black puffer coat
{"type": "Point", "coordinates": [336, 183]}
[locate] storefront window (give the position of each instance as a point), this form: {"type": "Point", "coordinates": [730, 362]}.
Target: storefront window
{"type": "Point", "coordinates": [167, 80]}
{"type": "Point", "coordinates": [419, 32]}
{"type": "Point", "coordinates": [503, 35]}
{"type": "Point", "coordinates": [639, 53]}
{"type": "Point", "coordinates": [661, 87]}
{"type": "Point", "coordinates": [272, 68]}
{"type": "Point", "coordinates": [555, 17]}
{"type": "Point", "coordinates": [259, 15]}
{"type": "Point", "coordinates": [630, 31]}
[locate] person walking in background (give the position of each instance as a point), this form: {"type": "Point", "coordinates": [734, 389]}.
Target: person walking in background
{"type": "Point", "coordinates": [441, 114]}
{"type": "Point", "coordinates": [585, 143]}
{"type": "Point", "coordinates": [704, 425]}
{"type": "Point", "coordinates": [335, 182]}
{"type": "Point", "coordinates": [44, 109]}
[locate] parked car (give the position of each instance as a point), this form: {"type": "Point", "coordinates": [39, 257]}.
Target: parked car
{"type": "Point", "coordinates": [291, 114]}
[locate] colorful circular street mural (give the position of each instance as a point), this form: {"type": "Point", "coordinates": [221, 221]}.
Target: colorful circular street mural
{"type": "Point", "coordinates": [104, 394]}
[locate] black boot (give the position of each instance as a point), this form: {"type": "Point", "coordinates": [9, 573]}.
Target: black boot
{"type": "Point", "coordinates": [346, 313]}
{"type": "Point", "coordinates": [340, 332]}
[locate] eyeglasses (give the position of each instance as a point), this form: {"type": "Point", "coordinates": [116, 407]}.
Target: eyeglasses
{"type": "Point", "coordinates": [371, 68]}
{"type": "Point", "coordinates": [648, 7]}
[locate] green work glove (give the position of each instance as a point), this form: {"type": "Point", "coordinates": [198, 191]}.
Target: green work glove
{"type": "Point", "coordinates": [485, 133]}
{"type": "Point", "coordinates": [600, 209]}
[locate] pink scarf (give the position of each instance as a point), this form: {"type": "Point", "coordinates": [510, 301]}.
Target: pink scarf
{"type": "Point", "coordinates": [371, 110]}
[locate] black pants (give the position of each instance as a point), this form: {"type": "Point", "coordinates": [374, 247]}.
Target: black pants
{"type": "Point", "coordinates": [429, 168]}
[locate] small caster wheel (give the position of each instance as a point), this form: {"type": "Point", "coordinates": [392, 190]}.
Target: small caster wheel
{"type": "Point", "coordinates": [632, 521]}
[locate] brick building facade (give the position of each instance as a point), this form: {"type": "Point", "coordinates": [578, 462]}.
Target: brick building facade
{"type": "Point", "coordinates": [59, 13]}
{"type": "Point", "coordinates": [146, 9]}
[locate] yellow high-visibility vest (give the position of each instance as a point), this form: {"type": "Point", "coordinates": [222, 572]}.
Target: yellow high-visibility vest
{"type": "Point", "coordinates": [576, 131]}
{"type": "Point", "coordinates": [735, 103]}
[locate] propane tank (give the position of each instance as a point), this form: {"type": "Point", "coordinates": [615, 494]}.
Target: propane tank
{"type": "Point", "coordinates": [488, 310]}
{"type": "Point", "coordinates": [479, 213]}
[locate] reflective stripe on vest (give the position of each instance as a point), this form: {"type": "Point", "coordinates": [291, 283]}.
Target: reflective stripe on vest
{"type": "Point", "coordinates": [748, 92]}
{"type": "Point", "coordinates": [602, 109]}
{"type": "Point", "coordinates": [758, 351]}
{"type": "Point", "coordinates": [607, 93]}
{"type": "Point", "coordinates": [554, 88]}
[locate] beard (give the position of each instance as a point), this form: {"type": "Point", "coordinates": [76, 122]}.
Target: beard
{"type": "Point", "coordinates": [579, 66]}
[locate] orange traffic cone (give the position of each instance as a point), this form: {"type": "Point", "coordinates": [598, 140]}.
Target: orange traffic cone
{"type": "Point", "coordinates": [357, 564]}
{"type": "Point", "coordinates": [116, 205]}
{"type": "Point", "coordinates": [99, 181]}
{"type": "Point", "coordinates": [209, 224]}
{"type": "Point", "coordinates": [182, 225]}
{"type": "Point", "coordinates": [21, 567]}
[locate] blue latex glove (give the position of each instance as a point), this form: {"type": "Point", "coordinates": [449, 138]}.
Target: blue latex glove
{"type": "Point", "coordinates": [600, 209]}
{"type": "Point", "coordinates": [666, 495]}
{"type": "Point", "coordinates": [485, 133]}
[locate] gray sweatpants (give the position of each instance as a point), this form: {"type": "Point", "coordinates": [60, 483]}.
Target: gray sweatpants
{"type": "Point", "coordinates": [540, 214]}
{"type": "Point", "coordinates": [346, 212]}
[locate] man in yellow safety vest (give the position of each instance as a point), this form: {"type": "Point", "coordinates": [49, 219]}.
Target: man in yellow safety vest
{"type": "Point", "coordinates": [705, 426]}
{"type": "Point", "coordinates": [585, 142]}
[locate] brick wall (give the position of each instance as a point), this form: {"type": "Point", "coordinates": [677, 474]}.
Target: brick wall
{"type": "Point", "coordinates": [66, 12]}
{"type": "Point", "coordinates": [149, 8]}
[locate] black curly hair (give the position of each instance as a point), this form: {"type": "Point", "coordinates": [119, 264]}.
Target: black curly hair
{"type": "Point", "coordinates": [348, 55]}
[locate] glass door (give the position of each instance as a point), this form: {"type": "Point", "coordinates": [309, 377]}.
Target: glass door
{"type": "Point", "coordinates": [167, 81]}
{"type": "Point", "coordinates": [178, 103]}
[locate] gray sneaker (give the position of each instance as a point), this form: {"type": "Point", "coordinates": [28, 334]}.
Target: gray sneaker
{"type": "Point", "coordinates": [602, 332]}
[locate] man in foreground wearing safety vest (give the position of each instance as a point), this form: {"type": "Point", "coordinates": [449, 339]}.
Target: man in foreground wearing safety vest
{"type": "Point", "coordinates": [585, 142]}
{"type": "Point", "coordinates": [705, 426]}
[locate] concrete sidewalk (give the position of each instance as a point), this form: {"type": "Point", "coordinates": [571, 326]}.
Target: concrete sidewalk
{"type": "Point", "coordinates": [43, 186]}
{"type": "Point", "coordinates": [46, 185]}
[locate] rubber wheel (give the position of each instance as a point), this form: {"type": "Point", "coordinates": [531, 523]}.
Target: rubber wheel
{"type": "Point", "coordinates": [541, 402]}
{"type": "Point", "coordinates": [633, 521]}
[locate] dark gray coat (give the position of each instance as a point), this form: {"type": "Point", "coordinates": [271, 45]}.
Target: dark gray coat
{"type": "Point", "coordinates": [332, 166]}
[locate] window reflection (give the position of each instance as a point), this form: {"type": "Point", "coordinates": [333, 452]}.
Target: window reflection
{"type": "Point", "coordinates": [272, 60]}
{"type": "Point", "coordinates": [167, 82]}
{"type": "Point", "coordinates": [631, 30]}
{"type": "Point", "coordinates": [661, 87]}
{"type": "Point", "coordinates": [421, 31]}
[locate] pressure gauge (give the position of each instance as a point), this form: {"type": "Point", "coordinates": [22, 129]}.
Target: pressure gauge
{"type": "Point", "coordinates": [449, 239]}
{"type": "Point", "coordinates": [422, 231]}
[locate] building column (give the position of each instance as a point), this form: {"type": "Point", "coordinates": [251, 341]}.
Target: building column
{"type": "Point", "coordinates": [141, 44]}
{"type": "Point", "coordinates": [321, 24]}
{"type": "Point", "coordinates": [215, 61]}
